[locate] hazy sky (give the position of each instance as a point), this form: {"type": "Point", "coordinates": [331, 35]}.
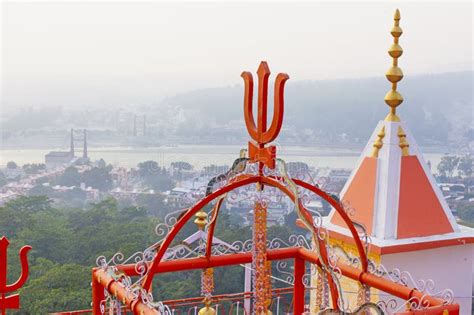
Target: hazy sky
{"type": "Point", "coordinates": [118, 53]}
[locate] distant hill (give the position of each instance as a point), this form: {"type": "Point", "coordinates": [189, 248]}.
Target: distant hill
{"type": "Point", "coordinates": [437, 107]}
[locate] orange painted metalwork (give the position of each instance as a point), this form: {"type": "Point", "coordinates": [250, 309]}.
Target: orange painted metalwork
{"type": "Point", "coordinates": [212, 226]}
{"type": "Point", "coordinates": [259, 258]}
{"type": "Point", "coordinates": [380, 283]}
{"type": "Point", "coordinates": [119, 291]}
{"type": "Point", "coordinates": [259, 132]}
{"type": "Point", "coordinates": [264, 156]}
{"type": "Point", "coordinates": [242, 258]}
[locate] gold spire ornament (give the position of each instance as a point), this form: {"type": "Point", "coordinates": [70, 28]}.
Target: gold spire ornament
{"type": "Point", "coordinates": [403, 143]}
{"type": "Point", "coordinates": [394, 74]}
{"type": "Point", "coordinates": [201, 219]}
{"type": "Point", "coordinates": [207, 309]}
{"type": "Point", "coordinates": [378, 144]}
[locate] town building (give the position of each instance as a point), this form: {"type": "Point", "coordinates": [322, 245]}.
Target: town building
{"type": "Point", "coordinates": [56, 159]}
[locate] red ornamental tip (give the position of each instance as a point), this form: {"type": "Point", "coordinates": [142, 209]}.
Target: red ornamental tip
{"type": "Point", "coordinates": [4, 240]}
{"type": "Point", "coordinates": [263, 69]}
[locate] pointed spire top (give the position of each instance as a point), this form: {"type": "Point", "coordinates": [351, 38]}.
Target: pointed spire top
{"type": "Point", "coordinates": [397, 15]}
{"type": "Point", "coordinates": [394, 73]}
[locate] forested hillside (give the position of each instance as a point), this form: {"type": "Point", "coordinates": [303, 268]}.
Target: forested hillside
{"type": "Point", "coordinates": [67, 242]}
{"type": "Point", "coordinates": [438, 108]}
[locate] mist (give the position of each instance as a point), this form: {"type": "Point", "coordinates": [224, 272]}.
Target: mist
{"type": "Point", "coordinates": [113, 54]}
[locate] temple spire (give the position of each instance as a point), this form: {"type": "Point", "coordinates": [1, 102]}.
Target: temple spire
{"type": "Point", "coordinates": [394, 74]}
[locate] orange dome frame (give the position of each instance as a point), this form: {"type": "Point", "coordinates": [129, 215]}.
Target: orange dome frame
{"type": "Point", "coordinates": [263, 157]}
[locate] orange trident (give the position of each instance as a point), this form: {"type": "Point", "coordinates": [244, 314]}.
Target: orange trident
{"type": "Point", "coordinates": [257, 150]}
{"type": "Point", "coordinates": [12, 301]}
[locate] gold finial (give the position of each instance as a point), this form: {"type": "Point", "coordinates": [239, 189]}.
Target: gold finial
{"type": "Point", "coordinates": [207, 309]}
{"type": "Point", "coordinates": [394, 74]}
{"type": "Point", "coordinates": [201, 219]}
{"type": "Point", "coordinates": [378, 143]}
{"type": "Point", "coordinates": [403, 143]}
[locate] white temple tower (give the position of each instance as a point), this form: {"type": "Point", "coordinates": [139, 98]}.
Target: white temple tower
{"type": "Point", "coordinates": [396, 198]}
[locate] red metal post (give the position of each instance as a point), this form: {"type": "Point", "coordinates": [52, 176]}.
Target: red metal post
{"type": "Point", "coordinates": [298, 287]}
{"type": "Point", "coordinates": [97, 294]}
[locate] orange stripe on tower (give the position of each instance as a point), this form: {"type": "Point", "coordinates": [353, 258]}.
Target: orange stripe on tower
{"type": "Point", "coordinates": [420, 213]}
{"type": "Point", "coordinates": [360, 195]}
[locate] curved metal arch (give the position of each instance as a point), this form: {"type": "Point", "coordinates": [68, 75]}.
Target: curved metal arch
{"type": "Point", "coordinates": [212, 226]}
{"type": "Point", "coordinates": [343, 214]}
{"type": "Point", "coordinates": [246, 180]}
{"type": "Point", "coordinates": [184, 219]}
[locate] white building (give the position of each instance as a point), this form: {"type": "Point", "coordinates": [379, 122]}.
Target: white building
{"type": "Point", "coordinates": [392, 193]}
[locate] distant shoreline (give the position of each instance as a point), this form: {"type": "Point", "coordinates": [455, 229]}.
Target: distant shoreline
{"type": "Point", "coordinates": [201, 155]}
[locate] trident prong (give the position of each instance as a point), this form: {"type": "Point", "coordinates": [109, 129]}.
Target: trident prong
{"type": "Point", "coordinates": [12, 301]}
{"type": "Point", "coordinates": [259, 132]}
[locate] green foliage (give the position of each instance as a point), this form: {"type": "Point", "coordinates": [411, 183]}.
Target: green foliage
{"type": "Point", "coordinates": [148, 168]}
{"type": "Point", "coordinates": [215, 169]}
{"type": "Point", "coordinates": [70, 177]}
{"type": "Point", "coordinates": [465, 166]}
{"type": "Point", "coordinates": [153, 203]}
{"type": "Point", "coordinates": [33, 168]}
{"type": "Point", "coordinates": [16, 215]}
{"type": "Point", "coordinates": [11, 165]}
{"type": "Point", "coordinates": [154, 176]}
{"type": "Point", "coordinates": [296, 168]}
{"type": "Point", "coordinates": [41, 190]}
{"type": "Point", "coordinates": [181, 166]}
{"type": "Point", "coordinates": [66, 243]}
{"type": "Point", "coordinates": [98, 177]}
{"type": "Point", "coordinates": [465, 212]}
{"type": "Point", "coordinates": [54, 287]}
{"type": "Point", "coordinates": [448, 165]}
{"type": "Point", "coordinates": [3, 179]}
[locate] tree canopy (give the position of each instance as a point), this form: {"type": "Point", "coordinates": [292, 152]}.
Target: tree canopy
{"type": "Point", "coordinates": [67, 241]}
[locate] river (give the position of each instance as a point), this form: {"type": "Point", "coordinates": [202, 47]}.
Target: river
{"type": "Point", "coordinates": [201, 155]}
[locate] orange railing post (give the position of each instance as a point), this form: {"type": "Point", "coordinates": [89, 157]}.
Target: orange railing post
{"type": "Point", "coordinates": [298, 290]}
{"type": "Point", "coordinates": [97, 294]}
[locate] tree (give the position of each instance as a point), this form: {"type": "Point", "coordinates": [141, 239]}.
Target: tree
{"type": "Point", "coordinates": [56, 288]}
{"type": "Point", "coordinates": [18, 214]}
{"type": "Point", "coordinates": [465, 166]}
{"type": "Point", "coordinates": [181, 166]}
{"type": "Point", "coordinates": [41, 190]}
{"type": "Point", "coordinates": [148, 168]}
{"type": "Point", "coordinates": [215, 169]}
{"type": "Point", "coordinates": [465, 211]}
{"type": "Point", "coordinates": [3, 179]}
{"type": "Point", "coordinates": [70, 177]}
{"type": "Point", "coordinates": [295, 168]}
{"type": "Point", "coordinates": [101, 163]}
{"type": "Point", "coordinates": [98, 178]}
{"type": "Point", "coordinates": [155, 177]}
{"type": "Point", "coordinates": [153, 203]}
{"type": "Point", "coordinates": [448, 165]}
{"type": "Point", "coordinates": [12, 165]}
{"type": "Point", "coordinates": [33, 168]}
